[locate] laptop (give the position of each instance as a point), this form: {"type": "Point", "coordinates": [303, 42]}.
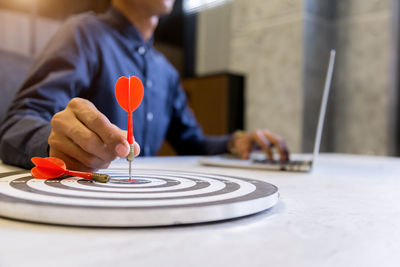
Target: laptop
{"type": "Point", "coordinates": [298, 163]}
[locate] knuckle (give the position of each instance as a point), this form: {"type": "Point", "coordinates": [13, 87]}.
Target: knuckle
{"type": "Point", "coordinates": [52, 136]}
{"type": "Point", "coordinates": [78, 103]}
{"type": "Point", "coordinates": [75, 102]}
{"type": "Point", "coordinates": [54, 141]}
{"type": "Point", "coordinates": [97, 117]}
{"type": "Point", "coordinates": [57, 119]}
{"type": "Point", "coordinates": [281, 141]}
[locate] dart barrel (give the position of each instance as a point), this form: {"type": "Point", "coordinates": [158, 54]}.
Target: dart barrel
{"type": "Point", "coordinates": [100, 177]}
{"type": "Point", "coordinates": [131, 154]}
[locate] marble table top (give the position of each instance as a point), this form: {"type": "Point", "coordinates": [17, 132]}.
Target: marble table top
{"type": "Point", "coordinates": [346, 212]}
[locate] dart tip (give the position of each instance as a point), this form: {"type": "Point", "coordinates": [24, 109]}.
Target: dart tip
{"type": "Point", "coordinates": [130, 170]}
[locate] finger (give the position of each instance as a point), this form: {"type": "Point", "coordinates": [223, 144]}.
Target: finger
{"type": "Point", "coordinates": [284, 150]}
{"type": "Point", "coordinates": [97, 122]}
{"type": "Point", "coordinates": [244, 154]}
{"type": "Point", "coordinates": [263, 143]}
{"type": "Point", "coordinates": [66, 124]}
{"type": "Point", "coordinates": [279, 143]}
{"type": "Point", "coordinates": [69, 148]}
{"type": "Point", "coordinates": [243, 146]}
{"type": "Point", "coordinates": [136, 149]}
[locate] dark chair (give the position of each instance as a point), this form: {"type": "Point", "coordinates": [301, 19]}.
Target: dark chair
{"type": "Point", "coordinates": [13, 71]}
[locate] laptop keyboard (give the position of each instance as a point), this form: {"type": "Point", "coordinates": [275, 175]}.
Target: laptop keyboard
{"type": "Point", "coordinates": [277, 162]}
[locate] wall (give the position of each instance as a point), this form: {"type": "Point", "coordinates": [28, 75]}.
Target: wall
{"type": "Point", "coordinates": [283, 47]}
{"type": "Point", "coordinates": [16, 32]}
{"type": "Point", "coordinates": [363, 77]}
{"type": "Point", "coordinates": [213, 38]}
{"type": "Point", "coordinates": [266, 45]}
{"type": "Point", "coordinates": [262, 40]}
{"type": "Point", "coordinates": [360, 106]}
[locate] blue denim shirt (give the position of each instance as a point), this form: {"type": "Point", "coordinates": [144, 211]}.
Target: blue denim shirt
{"type": "Point", "coordinates": [84, 59]}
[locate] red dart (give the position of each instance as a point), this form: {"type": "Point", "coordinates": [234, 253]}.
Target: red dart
{"type": "Point", "coordinates": [129, 93]}
{"type": "Point", "coordinates": [51, 167]}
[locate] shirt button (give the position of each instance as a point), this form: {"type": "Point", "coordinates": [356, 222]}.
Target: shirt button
{"type": "Point", "coordinates": [149, 83]}
{"type": "Point", "coordinates": [141, 50]}
{"type": "Point", "coordinates": [150, 116]}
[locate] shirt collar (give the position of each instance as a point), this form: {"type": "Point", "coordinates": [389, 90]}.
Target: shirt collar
{"type": "Point", "coordinates": [116, 19]}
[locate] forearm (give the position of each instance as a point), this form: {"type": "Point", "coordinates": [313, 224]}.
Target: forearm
{"type": "Point", "coordinates": [199, 144]}
{"type": "Point", "coordinates": [213, 145]}
{"type": "Point", "coordinates": [23, 138]}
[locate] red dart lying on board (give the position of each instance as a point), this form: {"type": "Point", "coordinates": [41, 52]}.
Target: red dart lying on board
{"type": "Point", "coordinates": [49, 168]}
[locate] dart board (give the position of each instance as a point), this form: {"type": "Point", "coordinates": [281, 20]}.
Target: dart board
{"type": "Point", "coordinates": [153, 198]}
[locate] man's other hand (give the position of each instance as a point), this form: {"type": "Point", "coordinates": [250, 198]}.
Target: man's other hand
{"type": "Point", "coordinates": [242, 144]}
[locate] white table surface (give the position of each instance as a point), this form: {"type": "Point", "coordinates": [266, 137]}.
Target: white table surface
{"type": "Point", "coordinates": [345, 213]}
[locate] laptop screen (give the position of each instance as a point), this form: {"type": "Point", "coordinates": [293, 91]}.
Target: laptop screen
{"type": "Point", "coordinates": [324, 103]}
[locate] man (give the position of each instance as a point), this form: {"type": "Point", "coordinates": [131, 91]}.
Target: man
{"type": "Point", "coordinates": [66, 108]}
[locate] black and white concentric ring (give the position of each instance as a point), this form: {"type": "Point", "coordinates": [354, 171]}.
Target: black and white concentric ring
{"type": "Point", "coordinates": [169, 197]}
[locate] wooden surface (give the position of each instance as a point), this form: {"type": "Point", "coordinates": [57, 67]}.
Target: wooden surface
{"type": "Point", "coordinates": [208, 98]}
{"type": "Point", "coordinates": [345, 213]}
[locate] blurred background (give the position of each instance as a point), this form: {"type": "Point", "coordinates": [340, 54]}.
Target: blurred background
{"type": "Point", "coordinates": [257, 64]}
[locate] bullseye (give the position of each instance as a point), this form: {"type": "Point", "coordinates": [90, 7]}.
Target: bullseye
{"type": "Point", "coordinates": [127, 181]}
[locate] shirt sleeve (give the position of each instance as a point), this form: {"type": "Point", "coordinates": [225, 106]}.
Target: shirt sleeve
{"type": "Point", "coordinates": [60, 73]}
{"type": "Point", "coordinates": [186, 135]}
